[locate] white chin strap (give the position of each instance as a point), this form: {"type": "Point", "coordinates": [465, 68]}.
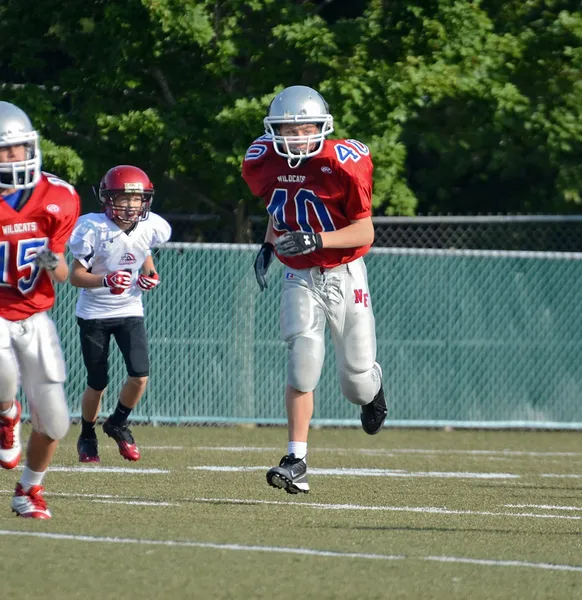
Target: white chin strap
{"type": "Point", "coordinates": [294, 160]}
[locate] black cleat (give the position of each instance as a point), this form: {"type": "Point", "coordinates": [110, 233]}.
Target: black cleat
{"type": "Point", "coordinates": [290, 475]}
{"type": "Point", "coordinates": [125, 442]}
{"type": "Point", "coordinates": [374, 414]}
{"type": "Point", "coordinates": [88, 450]}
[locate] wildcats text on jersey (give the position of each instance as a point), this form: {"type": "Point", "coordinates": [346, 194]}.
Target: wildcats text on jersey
{"type": "Point", "coordinates": [291, 178]}
{"type": "Point", "coordinates": [16, 228]}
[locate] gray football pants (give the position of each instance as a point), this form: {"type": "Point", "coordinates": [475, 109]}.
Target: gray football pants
{"type": "Point", "coordinates": [340, 297]}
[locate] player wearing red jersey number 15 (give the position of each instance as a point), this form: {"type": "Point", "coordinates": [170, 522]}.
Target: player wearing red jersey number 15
{"type": "Point", "coordinates": [318, 196]}
{"type": "Point", "coordinates": [37, 214]}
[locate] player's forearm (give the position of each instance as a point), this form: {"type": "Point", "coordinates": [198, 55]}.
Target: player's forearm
{"type": "Point", "coordinates": [148, 265]}
{"type": "Point", "coordinates": [270, 236]}
{"type": "Point", "coordinates": [84, 279]}
{"type": "Point", "coordinates": [358, 233]}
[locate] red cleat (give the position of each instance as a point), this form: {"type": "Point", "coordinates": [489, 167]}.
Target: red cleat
{"type": "Point", "coordinates": [31, 504]}
{"type": "Point", "coordinates": [123, 438]}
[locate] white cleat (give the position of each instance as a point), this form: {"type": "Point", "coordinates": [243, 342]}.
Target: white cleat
{"type": "Point", "coordinates": [31, 504]}
{"type": "Point", "coordinates": [10, 446]}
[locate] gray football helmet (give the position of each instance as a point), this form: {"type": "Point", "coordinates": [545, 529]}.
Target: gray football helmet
{"type": "Point", "coordinates": [15, 130]}
{"type": "Point", "coordinates": [298, 104]}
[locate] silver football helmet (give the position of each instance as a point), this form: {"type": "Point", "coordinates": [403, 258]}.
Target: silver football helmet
{"type": "Point", "coordinates": [16, 130]}
{"type": "Point", "coordinates": [298, 104]}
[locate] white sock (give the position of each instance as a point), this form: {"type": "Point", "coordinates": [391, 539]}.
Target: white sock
{"type": "Point", "coordinates": [30, 478]}
{"type": "Point", "coordinates": [297, 448]}
{"type": "Point", "coordinates": [10, 413]}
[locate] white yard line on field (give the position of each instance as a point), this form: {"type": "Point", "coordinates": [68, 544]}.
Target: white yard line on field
{"type": "Point", "coordinates": [392, 451]}
{"type": "Point", "coordinates": [287, 550]}
{"type": "Point", "coordinates": [410, 509]}
{"type": "Point", "coordinates": [136, 502]}
{"type": "Point", "coordinates": [207, 545]}
{"type": "Point", "coordinates": [503, 563]}
{"type": "Point", "coordinates": [99, 469]}
{"type": "Point", "coordinates": [369, 472]}
{"type": "Point", "coordinates": [544, 506]}
{"type": "Point", "coordinates": [142, 447]}
{"type": "Point", "coordinates": [436, 510]}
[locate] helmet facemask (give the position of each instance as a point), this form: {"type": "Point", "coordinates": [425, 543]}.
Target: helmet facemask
{"type": "Point", "coordinates": [127, 207]}
{"type": "Point", "coordinates": [298, 105]}
{"type": "Point", "coordinates": [16, 130]}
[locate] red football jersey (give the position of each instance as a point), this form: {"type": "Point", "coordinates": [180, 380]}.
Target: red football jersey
{"type": "Point", "coordinates": [45, 221]}
{"type": "Point", "coordinates": [324, 193]}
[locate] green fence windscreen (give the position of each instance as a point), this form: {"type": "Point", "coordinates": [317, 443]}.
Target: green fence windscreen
{"type": "Point", "coordinates": [484, 339]}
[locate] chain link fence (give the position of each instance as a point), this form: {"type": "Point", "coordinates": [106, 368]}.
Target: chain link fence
{"type": "Point", "coordinates": [552, 233]}
{"type": "Point", "coordinates": [466, 337]}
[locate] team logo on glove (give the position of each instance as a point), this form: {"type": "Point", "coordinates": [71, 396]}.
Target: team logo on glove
{"type": "Point", "coordinates": [117, 282]}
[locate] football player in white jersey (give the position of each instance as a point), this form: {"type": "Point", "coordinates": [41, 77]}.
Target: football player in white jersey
{"type": "Point", "coordinates": [113, 266]}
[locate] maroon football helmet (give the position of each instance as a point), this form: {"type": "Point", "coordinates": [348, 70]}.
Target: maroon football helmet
{"type": "Point", "coordinates": [127, 180]}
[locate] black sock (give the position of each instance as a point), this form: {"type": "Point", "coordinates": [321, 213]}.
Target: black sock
{"type": "Point", "coordinates": [119, 417]}
{"type": "Point", "coordinates": [88, 429]}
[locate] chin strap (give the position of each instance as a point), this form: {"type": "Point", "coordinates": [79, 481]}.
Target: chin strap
{"type": "Point", "coordinates": [294, 161]}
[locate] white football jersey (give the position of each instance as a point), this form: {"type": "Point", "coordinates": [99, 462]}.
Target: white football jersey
{"type": "Point", "coordinates": [102, 248]}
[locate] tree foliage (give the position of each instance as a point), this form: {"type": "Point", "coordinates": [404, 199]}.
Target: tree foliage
{"type": "Point", "coordinates": [467, 106]}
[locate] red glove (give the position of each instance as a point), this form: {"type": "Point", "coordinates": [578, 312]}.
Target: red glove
{"type": "Point", "coordinates": [117, 282]}
{"type": "Point", "coordinates": [148, 282]}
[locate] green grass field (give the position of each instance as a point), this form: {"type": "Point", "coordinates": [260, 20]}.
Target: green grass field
{"type": "Point", "coordinates": [404, 514]}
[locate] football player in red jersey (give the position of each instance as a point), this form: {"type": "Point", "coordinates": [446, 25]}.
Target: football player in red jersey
{"type": "Point", "coordinates": [37, 214]}
{"type": "Point", "coordinates": [318, 196]}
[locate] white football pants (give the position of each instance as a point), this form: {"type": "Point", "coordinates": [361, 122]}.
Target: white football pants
{"type": "Point", "coordinates": [31, 348]}
{"type": "Point", "coordinates": [340, 297]}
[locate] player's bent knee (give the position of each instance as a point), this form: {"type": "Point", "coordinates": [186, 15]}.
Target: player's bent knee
{"type": "Point", "coordinates": [305, 363]}
{"type": "Point", "coordinates": [139, 383]}
{"type": "Point", "coordinates": [58, 428]}
{"type": "Point", "coordinates": [50, 411]}
{"type": "Point", "coordinates": [98, 382]}
{"type": "Point", "coordinates": [358, 388]}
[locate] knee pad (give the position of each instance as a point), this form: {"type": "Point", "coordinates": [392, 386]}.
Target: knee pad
{"type": "Point", "coordinates": [305, 363]}
{"type": "Point", "coordinates": [48, 406]}
{"type": "Point", "coordinates": [360, 388]}
{"type": "Point", "coordinates": [97, 379]}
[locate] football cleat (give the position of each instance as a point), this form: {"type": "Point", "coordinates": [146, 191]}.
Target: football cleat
{"type": "Point", "coordinates": [10, 446]}
{"type": "Point", "coordinates": [88, 450]}
{"type": "Point", "coordinates": [374, 414]}
{"type": "Point", "coordinates": [290, 475]}
{"type": "Point", "coordinates": [31, 504]}
{"type": "Point", "coordinates": [123, 438]}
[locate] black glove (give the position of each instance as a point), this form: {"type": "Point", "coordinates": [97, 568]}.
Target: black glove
{"type": "Point", "coordinates": [298, 242]}
{"type": "Point", "coordinates": [47, 259]}
{"type": "Point", "coordinates": [262, 262]}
